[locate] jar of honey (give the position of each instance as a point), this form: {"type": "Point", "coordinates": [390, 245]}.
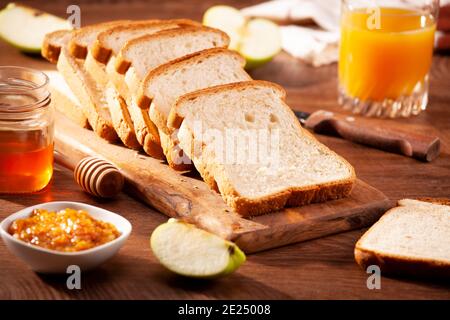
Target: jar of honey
{"type": "Point", "coordinates": [26, 130]}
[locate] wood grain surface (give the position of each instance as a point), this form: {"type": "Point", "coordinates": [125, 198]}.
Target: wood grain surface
{"type": "Point", "coordinates": [318, 269]}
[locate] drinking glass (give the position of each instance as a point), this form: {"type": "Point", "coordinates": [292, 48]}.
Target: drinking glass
{"type": "Point", "coordinates": [385, 56]}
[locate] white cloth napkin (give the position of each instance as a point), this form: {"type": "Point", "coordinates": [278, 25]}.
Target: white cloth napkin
{"type": "Point", "coordinates": [315, 45]}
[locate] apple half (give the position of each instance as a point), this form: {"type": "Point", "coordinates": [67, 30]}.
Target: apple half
{"type": "Point", "coordinates": [192, 252]}
{"type": "Point", "coordinates": [24, 27]}
{"type": "Point", "coordinates": [257, 40]}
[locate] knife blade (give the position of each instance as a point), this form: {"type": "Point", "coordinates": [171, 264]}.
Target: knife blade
{"type": "Point", "coordinates": [377, 133]}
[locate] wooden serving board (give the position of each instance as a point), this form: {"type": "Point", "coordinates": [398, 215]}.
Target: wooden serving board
{"type": "Point", "coordinates": [187, 197]}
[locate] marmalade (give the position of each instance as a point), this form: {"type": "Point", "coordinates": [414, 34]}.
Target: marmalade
{"type": "Point", "coordinates": [67, 230]}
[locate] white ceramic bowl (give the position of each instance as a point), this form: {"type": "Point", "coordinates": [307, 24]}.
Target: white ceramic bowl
{"type": "Point", "coordinates": [50, 261]}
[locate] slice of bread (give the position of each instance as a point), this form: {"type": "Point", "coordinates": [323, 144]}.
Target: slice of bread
{"type": "Point", "coordinates": [147, 52]}
{"type": "Point", "coordinates": [83, 86]}
{"type": "Point", "coordinates": [84, 37]}
{"type": "Point", "coordinates": [109, 42]}
{"type": "Point", "coordinates": [91, 97]}
{"type": "Point", "coordinates": [62, 97]}
{"type": "Point", "coordinates": [132, 125]}
{"type": "Point", "coordinates": [121, 120]}
{"type": "Point", "coordinates": [412, 239]}
{"type": "Point", "coordinates": [146, 131]}
{"type": "Point", "coordinates": [247, 143]}
{"type": "Point", "coordinates": [53, 42]}
{"type": "Point", "coordinates": [165, 84]}
{"type": "Point", "coordinates": [64, 100]}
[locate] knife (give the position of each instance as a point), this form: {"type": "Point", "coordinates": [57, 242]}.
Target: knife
{"type": "Point", "coordinates": [376, 133]}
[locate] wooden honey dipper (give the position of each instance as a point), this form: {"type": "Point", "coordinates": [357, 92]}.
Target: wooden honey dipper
{"type": "Point", "coordinates": [98, 177]}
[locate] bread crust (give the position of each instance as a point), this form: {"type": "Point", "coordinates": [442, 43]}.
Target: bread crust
{"type": "Point", "coordinates": [122, 64]}
{"type": "Point", "coordinates": [102, 53]}
{"type": "Point", "coordinates": [397, 265]}
{"type": "Point", "coordinates": [402, 265]}
{"type": "Point", "coordinates": [68, 108]}
{"type": "Point", "coordinates": [51, 48]}
{"type": "Point", "coordinates": [78, 49]}
{"type": "Point", "coordinates": [121, 119]}
{"type": "Point", "coordinates": [288, 197]}
{"type": "Point", "coordinates": [174, 155]}
{"type": "Point", "coordinates": [146, 131]}
{"type": "Point", "coordinates": [76, 77]}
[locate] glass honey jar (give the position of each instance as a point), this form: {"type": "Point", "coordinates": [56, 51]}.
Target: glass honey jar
{"type": "Point", "coordinates": [26, 130]}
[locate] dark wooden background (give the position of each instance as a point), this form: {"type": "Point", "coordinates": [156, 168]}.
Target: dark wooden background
{"type": "Point", "coordinates": [318, 269]}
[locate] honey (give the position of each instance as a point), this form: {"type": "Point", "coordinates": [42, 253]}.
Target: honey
{"type": "Point", "coordinates": [26, 131]}
{"type": "Point", "coordinates": [26, 161]}
{"type": "Point", "coordinates": [67, 230]}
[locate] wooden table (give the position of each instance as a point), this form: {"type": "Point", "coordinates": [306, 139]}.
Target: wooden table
{"type": "Point", "coordinates": [319, 269]}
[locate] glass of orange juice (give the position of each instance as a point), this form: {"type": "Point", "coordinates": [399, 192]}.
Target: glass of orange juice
{"type": "Point", "coordinates": [385, 56]}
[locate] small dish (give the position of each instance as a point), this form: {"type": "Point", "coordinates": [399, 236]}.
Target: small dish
{"type": "Point", "coordinates": [44, 260]}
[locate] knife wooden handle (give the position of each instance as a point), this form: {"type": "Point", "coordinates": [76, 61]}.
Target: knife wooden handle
{"type": "Point", "coordinates": [375, 133]}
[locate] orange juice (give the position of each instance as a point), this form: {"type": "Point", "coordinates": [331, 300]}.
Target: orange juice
{"type": "Point", "coordinates": [389, 61]}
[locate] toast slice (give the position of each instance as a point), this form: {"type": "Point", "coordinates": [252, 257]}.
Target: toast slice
{"type": "Point", "coordinates": [109, 42]}
{"type": "Point", "coordinates": [130, 124]}
{"type": "Point", "coordinates": [411, 239]}
{"type": "Point", "coordinates": [53, 42]}
{"type": "Point", "coordinates": [63, 99]}
{"type": "Point", "coordinates": [84, 37]}
{"type": "Point", "coordinates": [247, 143]}
{"type": "Point", "coordinates": [83, 86]}
{"type": "Point", "coordinates": [80, 44]}
{"type": "Point", "coordinates": [148, 52]}
{"type": "Point", "coordinates": [145, 53]}
{"type": "Point", "coordinates": [90, 96]}
{"type": "Point", "coordinates": [163, 85]}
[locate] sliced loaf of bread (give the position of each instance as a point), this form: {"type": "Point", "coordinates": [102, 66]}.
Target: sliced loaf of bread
{"type": "Point", "coordinates": [163, 85]}
{"type": "Point", "coordinates": [247, 143]}
{"type": "Point", "coordinates": [411, 239]}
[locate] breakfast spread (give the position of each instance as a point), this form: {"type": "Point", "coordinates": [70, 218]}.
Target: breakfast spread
{"type": "Point", "coordinates": [178, 91]}
{"type": "Point", "coordinates": [66, 230]}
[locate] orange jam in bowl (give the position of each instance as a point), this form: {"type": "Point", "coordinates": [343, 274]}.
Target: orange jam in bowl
{"type": "Point", "coordinates": [66, 230]}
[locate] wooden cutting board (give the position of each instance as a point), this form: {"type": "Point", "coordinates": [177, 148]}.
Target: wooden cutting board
{"type": "Point", "coordinates": [188, 197]}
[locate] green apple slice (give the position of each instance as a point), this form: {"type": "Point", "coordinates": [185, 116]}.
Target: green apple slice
{"type": "Point", "coordinates": [227, 19]}
{"type": "Point", "coordinates": [25, 27]}
{"type": "Point", "coordinates": [260, 42]}
{"type": "Point", "coordinates": [186, 250]}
